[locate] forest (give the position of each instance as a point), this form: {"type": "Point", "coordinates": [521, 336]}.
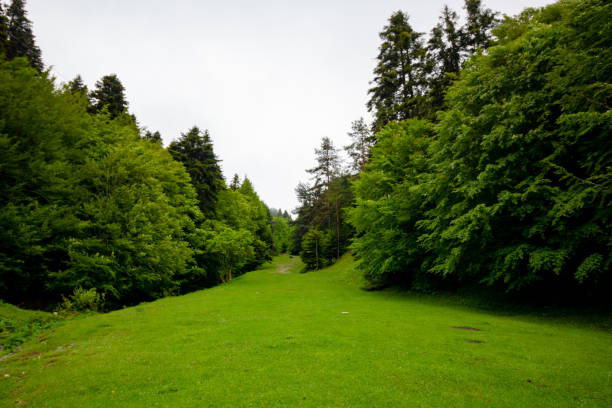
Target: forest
{"type": "Point", "coordinates": [488, 163]}
{"type": "Point", "coordinates": [454, 251]}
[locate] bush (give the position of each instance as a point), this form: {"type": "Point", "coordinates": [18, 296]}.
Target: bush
{"type": "Point", "coordinates": [82, 300]}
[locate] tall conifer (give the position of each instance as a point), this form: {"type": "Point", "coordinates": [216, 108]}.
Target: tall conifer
{"type": "Point", "coordinates": [444, 50]}
{"type": "Point", "coordinates": [477, 30]}
{"type": "Point", "coordinates": [359, 150]}
{"type": "Point", "coordinates": [195, 150]}
{"type": "Point", "coordinates": [20, 37]}
{"type": "Point", "coordinates": [109, 93]}
{"type": "Point", "coordinates": [400, 75]}
{"type": "Point", "coordinates": [3, 31]}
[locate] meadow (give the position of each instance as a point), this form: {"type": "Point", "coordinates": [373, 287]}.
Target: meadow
{"type": "Point", "coordinates": [276, 337]}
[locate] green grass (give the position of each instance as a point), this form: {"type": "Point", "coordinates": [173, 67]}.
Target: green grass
{"type": "Point", "coordinates": [17, 325]}
{"type": "Point", "coordinates": [275, 337]}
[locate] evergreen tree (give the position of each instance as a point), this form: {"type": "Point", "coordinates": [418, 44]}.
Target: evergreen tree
{"type": "Point", "coordinates": [3, 31]}
{"type": "Point", "coordinates": [328, 165]}
{"type": "Point", "coordinates": [109, 93]}
{"type": "Point", "coordinates": [359, 150]}
{"type": "Point", "coordinates": [195, 150]}
{"type": "Point", "coordinates": [77, 85]}
{"type": "Point", "coordinates": [400, 75]}
{"type": "Point", "coordinates": [476, 34]}
{"type": "Point", "coordinates": [235, 184]}
{"type": "Point", "coordinates": [154, 137]}
{"type": "Point", "coordinates": [444, 50]}
{"type": "Point", "coordinates": [20, 37]}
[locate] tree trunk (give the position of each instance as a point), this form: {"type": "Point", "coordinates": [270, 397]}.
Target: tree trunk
{"type": "Point", "coordinates": [337, 228]}
{"type": "Point", "coordinates": [317, 253]}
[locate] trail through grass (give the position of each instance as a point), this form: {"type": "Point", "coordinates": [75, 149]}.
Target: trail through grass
{"type": "Point", "coordinates": [275, 337]}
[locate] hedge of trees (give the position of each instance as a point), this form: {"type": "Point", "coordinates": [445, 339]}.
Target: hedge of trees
{"type": "Point", "coordinates": [511, 184]}
{"type": "Point", "coordinates": [93, 205]}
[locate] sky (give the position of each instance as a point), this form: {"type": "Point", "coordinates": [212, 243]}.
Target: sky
{"type": "Point", "coordinates": [268, 79]}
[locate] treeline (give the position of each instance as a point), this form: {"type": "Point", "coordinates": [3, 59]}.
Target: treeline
{"type": "Point", "coordinates": [512, 185]}
{"type": "Point", "coordinates": [509, 183]}
{"type": "Point", "coordinates": [410, 80]}
{"type": "Point", "coordinates": [93, 205]}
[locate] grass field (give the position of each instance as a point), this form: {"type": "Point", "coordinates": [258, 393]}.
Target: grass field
{"type": "Point", "coordinates": [275, 337]}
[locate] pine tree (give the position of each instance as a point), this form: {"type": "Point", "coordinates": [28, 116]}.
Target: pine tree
{"type": "Point", "coordinates": [359, 150]}
{"type": "Point", "coordinates": [195, 150]}
{"type": "Point", "coordinates": [77, 85]}
{"type": "Point", "coordinates": [444, 54]}
{"type": "Point", "coordinates": [20, 37]}
{"type": "Point", "coordinates": [328, 163]}
{"type": "Point", "coordinates": [154, 137]}
{"type": "Point", "coordinates": [109, 93]}
{"type": "Point", "coordinates": [235, 184]}
{"type": "Point", "coordinates": [400, 75]}
{"type": "Point", "coordinates": [476, 34]}
{"type": "Point", "coordinates": [3, 31]}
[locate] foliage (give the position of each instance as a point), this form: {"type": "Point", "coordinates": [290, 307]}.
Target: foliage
{"type": "Point", "coordinates": [321, 210]}
{"type": "Point", "coordinates": [4, 22]}
{"type": "Point", "coordinates": [476, 33]}
{"type": "Point", "coordinates": [195, 150]}
{"type": "Point", "coordinates": [241, 209]}
{"type": "Point", "coordinates": [19, 37]}
{"type": "Point", "coordinates": [400, 75]}
{"type": "Point", "coordinates": [82, 300]}
{"type": "Point", "coordinates": [316, 246]}
{"type": "Point", "coordinates": [110, 94]}
{"type": "Point", "coordinates": [359, 150]}
{"type": "Point", "coordinates": [85, 201]}
{"type": "Point", "coordinates": [233, 247]}
{"type": "Point", "coordinates": [411, 78]}
{"type": "Point", "coordinates": [389, 201]}
{"type": "Point", "coordinates": [281, 233]}
{"type": "Point", "coordinates": [514, 186]}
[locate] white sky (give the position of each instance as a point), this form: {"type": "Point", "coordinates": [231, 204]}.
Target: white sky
{"type": "Point", "coordinates": [267, 78]}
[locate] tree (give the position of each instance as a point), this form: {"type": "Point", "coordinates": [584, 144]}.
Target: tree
{"type": "Point", "coordinates": [315, 246]}
{"type": "Point", "coordinates": [281, 231]}
{"type": "Point", "coordinates": [444, 50]}
{"type": "Point", "coordinates": [359, 150]}
{"type": "Point", "coordinates": [3, 31]}
{"type": "Point", "coordinates": [235, 184]}
{"type": "Point", "coordinates": [20, 37]}
{"type": "Point", "coordinates": [154, 137]}
{"type": "Point", "coordinates": [84, 202]}
{"type": "Point", "coordinates": [390, 199]}
{"type": "Point", "coordinates": [77, 85]}
{"type": "Point", "coordinates": [195, 150]}
{"type": "Point", "coordinates": [476, 33]}
{"type": "Point", "coordinates": [110, 94]}
{"type": "Point", "coordinates": [400, 75]}
{"type": "Point", "coordinates": [328, 165]}
{"type": "Point", "coordinates": [513, 186]}
{"type": "Point", "coordinates": [234, 247]}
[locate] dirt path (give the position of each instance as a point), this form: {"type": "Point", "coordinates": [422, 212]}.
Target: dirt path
{"type": "Point", "coordinates": [286, 267]}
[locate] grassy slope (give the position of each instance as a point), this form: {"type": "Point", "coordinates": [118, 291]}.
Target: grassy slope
{"type": "Point", "coordinates": [282, 339]}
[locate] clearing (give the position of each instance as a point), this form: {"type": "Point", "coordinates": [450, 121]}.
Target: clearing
{"type": "Point", "coordinates": [275, 337]}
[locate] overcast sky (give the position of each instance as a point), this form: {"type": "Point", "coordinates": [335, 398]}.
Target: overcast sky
{"type": "Point", "coordinates": [267, 78]}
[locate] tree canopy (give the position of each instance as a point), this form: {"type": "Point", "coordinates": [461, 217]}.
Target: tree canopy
{"type": "Point", "coordinates": [512, 188]}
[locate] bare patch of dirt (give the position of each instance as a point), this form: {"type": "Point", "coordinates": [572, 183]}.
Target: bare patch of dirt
{"type": "Point", "coordinates": [282, 268]}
